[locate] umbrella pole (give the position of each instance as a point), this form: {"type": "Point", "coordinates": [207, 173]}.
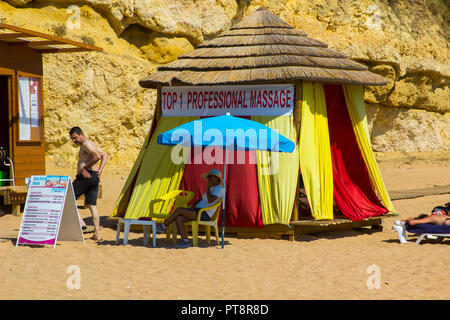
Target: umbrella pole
{"type": "Point", "coordinates": [224, 194]}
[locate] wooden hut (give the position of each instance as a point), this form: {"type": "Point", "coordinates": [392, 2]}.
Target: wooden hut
{"type": "Point", "coordinates": [21, 98]}
{"type": "Point", "coordinates": [333, 164]}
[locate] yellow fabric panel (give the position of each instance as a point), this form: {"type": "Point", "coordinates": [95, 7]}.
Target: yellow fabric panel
{"type": "Point", "coordinates": [124, 197]}
{"type": "Point", "coordinates": [298, 107]}
{"type": "Point", "coordinates": [354, 97]}
{"type": "Point", "coordinates": [315, 153]}
{"type": "Point", "coordinates": [277, 190]}
{"type": "Point", "coordinates": [158, 174]}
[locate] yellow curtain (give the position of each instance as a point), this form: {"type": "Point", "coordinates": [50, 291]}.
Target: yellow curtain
{"type": "Point", "coordinates": [354, 97]}
{"type": "Point", "coordinates": [124, 197]}
{"type": "Point", "coordinates": [158, 174]}
{"type": "Point", "coordinates": [277, 174]}
{"type": "Point", "coordinates": [315, 153]}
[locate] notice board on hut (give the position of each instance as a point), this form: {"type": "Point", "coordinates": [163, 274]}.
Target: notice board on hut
{"type": "Point", "coordinates": [29, 108]}
{"type": "Point", "coordinates": [248, 100]}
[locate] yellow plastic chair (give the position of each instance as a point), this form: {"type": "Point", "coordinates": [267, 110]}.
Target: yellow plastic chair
{"type": "Point", "coordinates": [195, 224]}
{"type": "Point", "coordinates": [175, 199]}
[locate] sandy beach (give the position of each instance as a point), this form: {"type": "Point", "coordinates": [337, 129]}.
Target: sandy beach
{"type": "Point", "coordinates": [331, 265]}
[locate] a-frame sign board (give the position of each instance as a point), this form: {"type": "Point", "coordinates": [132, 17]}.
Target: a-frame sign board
{"type": "Point", "coordinates": [50, 212]}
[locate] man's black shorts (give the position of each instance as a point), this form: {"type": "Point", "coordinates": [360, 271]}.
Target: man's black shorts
{"type": "Point", "coordinates": [87, 186]}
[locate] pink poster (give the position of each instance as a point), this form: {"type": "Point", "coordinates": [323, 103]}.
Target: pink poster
{"type": "Point", "coordinates": [34, 101]}
{"type": "Point", "coordinates": [43, 210]}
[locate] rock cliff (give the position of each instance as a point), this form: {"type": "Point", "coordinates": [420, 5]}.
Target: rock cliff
{"type": "Point", "coordinates": [405, 41]}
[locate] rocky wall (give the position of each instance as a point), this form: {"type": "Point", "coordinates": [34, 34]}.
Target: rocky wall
{"type": "Point", "coordinates": [405, 41]}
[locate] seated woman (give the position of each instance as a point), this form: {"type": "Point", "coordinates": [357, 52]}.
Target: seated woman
{"type": "Point", "coordinates": [213, 194]}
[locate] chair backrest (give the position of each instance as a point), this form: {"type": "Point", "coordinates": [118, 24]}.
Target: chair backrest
{"type": "Point", "coordinates": [171, 195]}
{"type": "Point", "coordinates": [218, 206]}
{"type": "Point", "coordinates": [182, 199]}
{"type": "Point", "coordinates": [173, 199]}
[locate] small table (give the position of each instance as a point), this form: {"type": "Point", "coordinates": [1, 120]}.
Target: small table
{"type": "Point", "coordinates": [126, 230]}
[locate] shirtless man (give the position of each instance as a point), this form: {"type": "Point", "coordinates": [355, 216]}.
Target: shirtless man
{"type": "Point", "coordinates": [87, 180]}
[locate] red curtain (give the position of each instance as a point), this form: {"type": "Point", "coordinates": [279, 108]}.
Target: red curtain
{"type": "Point", "coordinates": [242, 205]}
{"type": "Point", "coordinates": [353, 193]}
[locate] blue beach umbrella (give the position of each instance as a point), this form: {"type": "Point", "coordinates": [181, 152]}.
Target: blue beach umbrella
{"type": "Point", "coordinates": [229, 133]}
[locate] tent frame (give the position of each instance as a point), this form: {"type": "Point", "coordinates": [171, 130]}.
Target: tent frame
{"type": "Point", "coordinates": [297, 226]}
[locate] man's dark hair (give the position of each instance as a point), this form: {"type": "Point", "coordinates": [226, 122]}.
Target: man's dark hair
{"type": "Point", "coordinates": [76, 130]}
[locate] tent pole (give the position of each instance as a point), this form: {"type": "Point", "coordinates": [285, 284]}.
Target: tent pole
{"type": "Point", "coordinates": [224, 194]}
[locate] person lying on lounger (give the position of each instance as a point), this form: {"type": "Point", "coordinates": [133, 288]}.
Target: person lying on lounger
{"type": "Point", "coordinates": [439, 215]}
{"type": "Point", "coordinates": [213, 194]}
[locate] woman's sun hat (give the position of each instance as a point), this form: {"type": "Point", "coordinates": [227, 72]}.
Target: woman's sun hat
{"type": "Point", "coordinates": [212, 172]}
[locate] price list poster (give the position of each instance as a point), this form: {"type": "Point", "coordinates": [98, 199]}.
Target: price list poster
{"type": "Point", "coordinates": [50, 206]}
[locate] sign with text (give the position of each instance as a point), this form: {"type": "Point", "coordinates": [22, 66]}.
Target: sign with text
{"type": "Point", "coordinates": [29, 97]}
{"type": "Point", "coordinates": [251, 100]}
{"type": "Point", "coordinates": [50, 212]}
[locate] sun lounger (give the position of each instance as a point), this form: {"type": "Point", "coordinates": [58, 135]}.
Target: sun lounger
{"type": "Point", "coordinates": [422, 230]}
{"type": "Point", "coordinates": [428, 229]}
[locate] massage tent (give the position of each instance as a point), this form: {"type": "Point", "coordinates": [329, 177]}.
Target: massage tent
{"type": "Point", "coordinates": [268, 71]}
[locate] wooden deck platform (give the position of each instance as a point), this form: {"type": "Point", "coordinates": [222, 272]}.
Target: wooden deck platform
{"type": "Point", "coordinates": [310, 226]}
{"type": "Point", "coordinates": [299, 227]}
{"type": "Point", "coordinates": [296, 228]}
{"type": "Point", "coordinates": [273, 231]}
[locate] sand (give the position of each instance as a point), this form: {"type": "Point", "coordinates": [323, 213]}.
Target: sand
{"type": "Point", "coordinates": [333, 265]}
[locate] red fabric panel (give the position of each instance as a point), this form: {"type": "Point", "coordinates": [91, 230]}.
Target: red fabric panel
{"type": "Point", "coordinates": [192, 174]}
{"type": "Point", "coordinates": [242, 205]}
{"type": "Point", "coordinates": [243, 208]}
{"type": "Point", "coordinates": [353, 191]}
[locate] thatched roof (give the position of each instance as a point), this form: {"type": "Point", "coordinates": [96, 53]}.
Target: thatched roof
{"type": "Point", "coordinates": [261, 48]}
